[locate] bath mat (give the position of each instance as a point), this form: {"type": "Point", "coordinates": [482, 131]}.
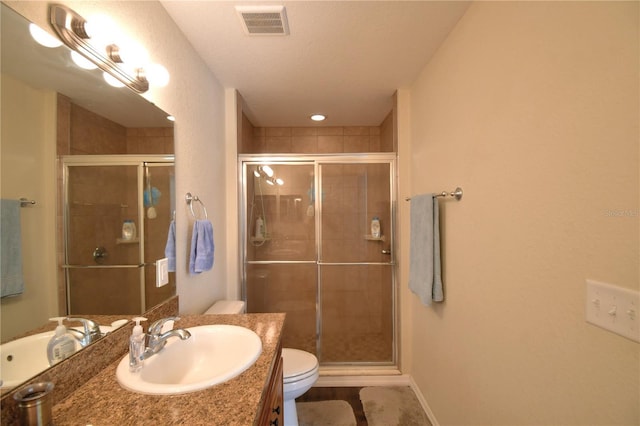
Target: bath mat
{"type": "Point", "coordinates": [325, 413]}
{"type": "Point", "coordinates": [390, 406]}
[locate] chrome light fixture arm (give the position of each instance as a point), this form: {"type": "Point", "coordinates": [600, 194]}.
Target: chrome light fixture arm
{"type": "Point", "coordinates": [70, 27]}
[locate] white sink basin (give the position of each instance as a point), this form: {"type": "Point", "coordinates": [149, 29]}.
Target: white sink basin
{"type": "Point", "coordinates": [23, 358]}
{"type": "Point", "coordinates": [212, 355]}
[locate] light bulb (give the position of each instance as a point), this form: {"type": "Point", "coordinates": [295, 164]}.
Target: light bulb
{"type": "Point", "coordinates": [111, 80]}
{"type": "Point", "coordinates": [270, 181]}
{"type": "Point", "coordinates": [279, 181]}
{"type": "Point", "coordinates": [82, 62]}
{"type": "Point", "coordinates": [171, 118]}
{"type": "Point", "coordinates": [42, 37]}
{"type": "Point", "coordinates": [132, 54]}
{"type": "Point", "coordinates": [267, 170]}
{"type": "Point", "coordinates": [318, 117]}
{"type": "Point", "coordinates": [157, 75]}
{"type": "Point", "coordinates": [101, 30]}
{"type": "Point", "coordinates": [256, 173]}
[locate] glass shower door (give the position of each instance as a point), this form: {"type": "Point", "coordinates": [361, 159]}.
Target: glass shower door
{"type": "Point", "coordinates": [309, 252]}
{"type": "Point", "coordinates": [280, 247]}
{"type": "Point", "coordinates": [159, 205]}
{"type": "Point", "coordinates": [103, 270]}
{"type": "Point", "coordinates": [105, 273]}
{"type": "Point", "coordinates": [356, 267]}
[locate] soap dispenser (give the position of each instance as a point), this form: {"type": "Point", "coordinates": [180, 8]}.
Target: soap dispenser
{"type": "Point", "coordinates": [136, 346]}
{"type": "Point", "coordinates": [62, 344]}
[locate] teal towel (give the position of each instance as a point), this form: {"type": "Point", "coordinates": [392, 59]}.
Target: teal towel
{"type": "Point", "coordinates": [10, 249]}
{"type": "Point", "coordinates": [424, 255]}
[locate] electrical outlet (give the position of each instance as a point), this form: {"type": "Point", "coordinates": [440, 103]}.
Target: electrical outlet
{"type": "Point", "coordinates": [162, 272]}
{"type": "Point", "coordinates": [614, 308]}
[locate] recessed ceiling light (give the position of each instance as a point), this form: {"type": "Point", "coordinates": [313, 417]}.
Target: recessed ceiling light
{"type": "Point", "coordinates": [318, 117]}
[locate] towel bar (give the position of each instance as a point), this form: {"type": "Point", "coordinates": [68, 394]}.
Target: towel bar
{"type": "Point", "coordinates": [24, 202]}
{"type": "Point", "coordinates": [457, 194]}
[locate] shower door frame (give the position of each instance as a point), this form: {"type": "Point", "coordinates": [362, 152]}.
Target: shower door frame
{"type": "Point", "coordinates": [246, 160]}
{"type": "Point", "coordinates": [140, 162]}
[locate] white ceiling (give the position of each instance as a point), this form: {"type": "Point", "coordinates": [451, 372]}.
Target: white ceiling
{"type": "Point", "coordinates": [342, 58]}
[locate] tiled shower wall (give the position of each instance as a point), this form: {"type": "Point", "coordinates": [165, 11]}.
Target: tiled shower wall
{"type": "Point", "coordinates": [316, 140]}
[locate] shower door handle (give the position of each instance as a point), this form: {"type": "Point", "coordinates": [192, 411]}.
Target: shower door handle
{"type": "Point", "coordinates": [387, 251]}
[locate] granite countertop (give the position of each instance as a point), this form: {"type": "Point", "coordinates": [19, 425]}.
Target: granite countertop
{"type": "Point", "coordinates": [51, 325]}
{"type": "Point", "coordinates": [101, 401]}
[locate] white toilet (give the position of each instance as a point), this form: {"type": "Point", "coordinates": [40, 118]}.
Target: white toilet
{"type": "Point", "coordinates": [300, 368]}
{"type": "Point", "coordinates": [300, 372]}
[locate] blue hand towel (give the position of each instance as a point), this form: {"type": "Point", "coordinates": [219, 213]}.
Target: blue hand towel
{"type": "Point", "coordinates": [170, 248]}
{"type": "Point", "coordinates": [202, 247]}
{"type": "Point", "coordinates": [424, 256]}
{"type": "Point", "coordinates": [12, 283]}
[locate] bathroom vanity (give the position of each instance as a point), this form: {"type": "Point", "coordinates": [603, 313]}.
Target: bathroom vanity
{"type": "Point", "coordinates": [252, 398]}
{"type": "Point", "coordinates": [87, 391]}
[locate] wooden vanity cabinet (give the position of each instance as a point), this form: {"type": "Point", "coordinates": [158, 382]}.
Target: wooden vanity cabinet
{"type": "Point", "coordinates": [272, 413]}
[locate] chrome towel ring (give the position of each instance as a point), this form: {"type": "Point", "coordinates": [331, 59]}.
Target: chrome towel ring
{"type": "Point", "coordinates": [190, 199]}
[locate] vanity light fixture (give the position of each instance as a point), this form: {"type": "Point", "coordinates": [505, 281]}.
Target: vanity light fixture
{"type": "Point", "coordinates": [267, 174]}
{"type": "Point", "coordinates": [125, 62]}
{"type": "Point", "coordinates": [318, 117]}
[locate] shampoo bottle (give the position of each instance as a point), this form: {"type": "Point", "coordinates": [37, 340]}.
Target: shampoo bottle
{"type": "Point", "coordinates": [259, 228]}
{"type": "Point", "coordinates": [61, 345]}
{"type": "Point", "coordinates": [136, 346]}
{"type": "Point", "coordinates": [375, 227]}
{"type": "Point", "coordinates": [128, 230]}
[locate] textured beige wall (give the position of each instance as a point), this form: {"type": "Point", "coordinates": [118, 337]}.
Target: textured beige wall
{"type": "Point", "coordinates": [28, 170]}
{"type": "Point", "coordinates": [531, 107]}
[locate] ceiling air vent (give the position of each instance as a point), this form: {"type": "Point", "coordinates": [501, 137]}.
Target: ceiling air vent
{"type": "Point", "coordinates": [263, 20]}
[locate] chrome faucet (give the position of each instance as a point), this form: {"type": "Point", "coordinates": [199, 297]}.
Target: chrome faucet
{"type": "Point", "coordinates": [91, 331]}
{"type": "Point", "coordinates": [157, 339]}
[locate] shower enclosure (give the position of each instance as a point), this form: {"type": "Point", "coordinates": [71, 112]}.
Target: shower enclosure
{"type": "Point", "coordinates": [106, 273]}
{"type": "Point", "coordinates": [308, 251]}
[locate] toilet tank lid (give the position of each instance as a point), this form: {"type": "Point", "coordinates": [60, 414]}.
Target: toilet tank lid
{"type": "Point", "coordinates": [226, 307]}
{"type": "Point", "coordinates": [296, 362]}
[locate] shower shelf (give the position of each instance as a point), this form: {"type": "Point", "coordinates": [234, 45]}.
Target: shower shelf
{"type": "Point", "coordinates": [260, 239]}
{"type": "Point", "coordinates": [123, 241]}
{"type": "Point", "coordinates": [372, 238]}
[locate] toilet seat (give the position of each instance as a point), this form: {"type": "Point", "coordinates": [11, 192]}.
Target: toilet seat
{"type": "Point", "coordinates": [298, 365]}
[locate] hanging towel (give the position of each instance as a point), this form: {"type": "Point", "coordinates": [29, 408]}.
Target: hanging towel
{"type": "Point", "coordinates": [202, 247]}
{"type": "Point", "coordinates": [424, 256]}
{"type": "Point", "coordinates": [170, 248]}
{"type": "Point", "coordinates": [10, 249]}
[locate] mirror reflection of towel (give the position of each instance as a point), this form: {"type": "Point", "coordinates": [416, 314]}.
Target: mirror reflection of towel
{"type": "Point", "coordinates": [202, 247]}
{"type": "Point", "coordinates": [12, 280]}
{"type": "Point", "coordinates": [170, 248]}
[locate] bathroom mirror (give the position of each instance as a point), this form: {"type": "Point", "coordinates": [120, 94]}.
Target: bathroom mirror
{"type": "Point", "coordinates": [31, 71]}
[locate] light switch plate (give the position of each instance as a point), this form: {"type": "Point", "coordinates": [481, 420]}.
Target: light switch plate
{"type": "Point", "coordinates": [162, 272]}
{"type": "Point", "coordinates": [614, 308]}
